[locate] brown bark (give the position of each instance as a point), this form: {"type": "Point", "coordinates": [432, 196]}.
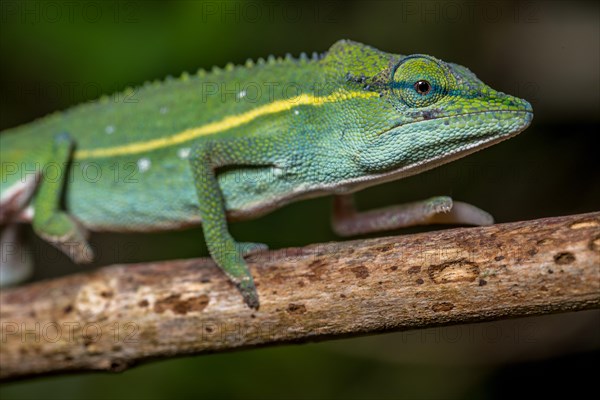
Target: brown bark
{"type": "Point", "coordinates": [120, 315]}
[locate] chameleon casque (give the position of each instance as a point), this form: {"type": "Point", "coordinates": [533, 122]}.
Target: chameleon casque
{"type": "Point", "coordinates": [239, 142]}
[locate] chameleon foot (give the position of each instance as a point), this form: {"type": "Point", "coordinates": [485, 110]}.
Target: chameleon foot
{"type": "Point", "coordinates": [248, 290]}
{"type": "Point", "coordinates": [435, 205]}
{"type": "Point", "coordinates": [462, 214]}
{"type": "Point", "coordinates": [230, 258]}
{"type": "Point", "coordinates": [63, 232]}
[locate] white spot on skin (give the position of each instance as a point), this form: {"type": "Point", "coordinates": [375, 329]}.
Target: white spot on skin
{"type": "Point", "coordinates": [296, 112]}
{"type": "Point", "coordinates": [241, 94]}
{"type": "Point", "coordinates": [277, 172]}
{"type": "Point", "coordinates": [163, 110]}
{"type": "Point", "coordinates": [109, 130]}
{"type": "Point", "coordinates": [184, 152]}
{"type": "Point", "coordinates": [144, 164]}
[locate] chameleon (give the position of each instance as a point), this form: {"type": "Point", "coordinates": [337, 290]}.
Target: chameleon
{"type": "Point", "coordinates": [238, 142]}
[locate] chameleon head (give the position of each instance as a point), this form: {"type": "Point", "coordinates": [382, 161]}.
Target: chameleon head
{"type": "Point", "coordinates": [440, 112]}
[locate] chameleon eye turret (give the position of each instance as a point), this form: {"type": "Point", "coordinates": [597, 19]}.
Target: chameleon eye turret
{"type": "Point", "coordinates": [420, 81]}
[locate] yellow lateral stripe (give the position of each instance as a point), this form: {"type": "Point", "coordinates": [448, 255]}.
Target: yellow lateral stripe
{"type": "Point", "coordinates": [220, 126]}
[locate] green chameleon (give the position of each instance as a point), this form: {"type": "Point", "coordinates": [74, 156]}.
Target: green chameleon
{"type": "Point", "coordinates": [239, 142]}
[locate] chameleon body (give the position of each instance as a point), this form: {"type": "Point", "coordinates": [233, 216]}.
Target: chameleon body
{"type": "Point", "coordinates": [238, 142]}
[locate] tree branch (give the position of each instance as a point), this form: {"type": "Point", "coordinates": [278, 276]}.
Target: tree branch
{"type": "Point", "coordinates": [120, 315]}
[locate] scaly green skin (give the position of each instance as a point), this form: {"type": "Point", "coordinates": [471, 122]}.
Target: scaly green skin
{"type": "Point", "coordinates": [260, 136]}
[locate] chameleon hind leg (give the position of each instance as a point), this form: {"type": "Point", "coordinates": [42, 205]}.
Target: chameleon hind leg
{"type": "Point", "coordinates": [347, 221]}
{"type": "Point", "coordinates": [49, 221]}
{"type": "Point", "coordinates": [206, 157]}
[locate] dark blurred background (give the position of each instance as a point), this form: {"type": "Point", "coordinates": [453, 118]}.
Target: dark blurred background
{"type": "Point", "coordinates": [59, 53]}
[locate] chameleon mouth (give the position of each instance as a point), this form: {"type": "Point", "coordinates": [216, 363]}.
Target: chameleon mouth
{"type": "Point", "coordinates": [462, 146]}
{"type": "Point", "coordinates": [528, 113]}
{"type": "Point", "coordinates": [498, 130]}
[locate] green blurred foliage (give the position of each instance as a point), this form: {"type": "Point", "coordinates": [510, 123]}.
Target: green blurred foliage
{"type": "Point", "coordinates": [58, 53]}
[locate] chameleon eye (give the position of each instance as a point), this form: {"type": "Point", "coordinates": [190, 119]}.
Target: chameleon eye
{"type": "Point", "coordinates": [419, 81]}
{"type": "Point", "coordinates": [422, 87]}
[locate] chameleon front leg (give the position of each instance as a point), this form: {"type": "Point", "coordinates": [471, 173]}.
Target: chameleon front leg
{"type": "Point", "coordinates": [49, 221]}
{"type": "Point", "coordinates": [347, 221]}
{"type": "Point", "coordinates": [206, 157]}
